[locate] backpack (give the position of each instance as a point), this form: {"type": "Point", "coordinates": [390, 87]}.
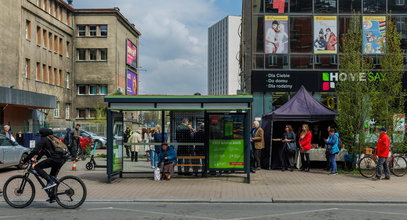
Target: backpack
{"type": "Point", "coordinates": [58, 145]}
{"type": "Point", "coordinates": [340, 144]}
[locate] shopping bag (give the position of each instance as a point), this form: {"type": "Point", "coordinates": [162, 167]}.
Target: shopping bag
{"type": "Point", "coordinates": [157, 174]}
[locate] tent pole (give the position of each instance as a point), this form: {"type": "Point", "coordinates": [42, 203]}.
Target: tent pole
{"type": "Point", "coordinates": [271, 144]}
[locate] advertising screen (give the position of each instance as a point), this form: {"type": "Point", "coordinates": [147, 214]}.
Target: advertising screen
{"type": "Point", "coordinates": [325, 35]}
{"type": "Point", "coordinates": [374, 34]}
{"type": "Point", "coordinates": [132, 83]}
{"type": "Point", "coordinates": [276, 38]}
{"type": "Point", "coordinates": [131, 54]}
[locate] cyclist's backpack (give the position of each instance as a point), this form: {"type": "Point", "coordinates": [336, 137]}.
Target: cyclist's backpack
{"type": "Point", "coordinates": [58, 145]}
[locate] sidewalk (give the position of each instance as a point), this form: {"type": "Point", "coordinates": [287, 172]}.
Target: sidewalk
{"type": "Point", "coordinates": [266, 186]}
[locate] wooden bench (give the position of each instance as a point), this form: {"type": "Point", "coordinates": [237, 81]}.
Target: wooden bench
{"type": "Point", "coordinates": [190, 158]}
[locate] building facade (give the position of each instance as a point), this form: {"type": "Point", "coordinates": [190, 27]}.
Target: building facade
{"type": "Point", "coordinates": [289, 43]}
{"type": "Point", "coordinates": [75, 55]}
{"type": "Point", "coordinates": [223, 56]}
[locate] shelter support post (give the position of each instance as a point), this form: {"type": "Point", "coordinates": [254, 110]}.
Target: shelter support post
{"type": "Point", "coordinates": [247, 145]}
{"type": "Point", "coordinates": [109, 146]}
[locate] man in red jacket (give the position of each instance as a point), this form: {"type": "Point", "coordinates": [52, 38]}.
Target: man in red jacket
{"type": "Point", "coordinates": [382, 152]}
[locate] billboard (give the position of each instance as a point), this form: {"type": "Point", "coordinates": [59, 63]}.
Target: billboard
{"type": "Point", "coordinates": [131, 54]}
{"type": "Point", "coordinates": [132, 83]}
{"type": "Point", "coordinates": [374, 34]}
{"type": "Point", "coordinates": [276, 38]}
{"type": "Point", "coordinates": [325, 35]}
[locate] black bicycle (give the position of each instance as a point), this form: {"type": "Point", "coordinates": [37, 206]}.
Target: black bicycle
{"type": "Point", "coordinates": [19, 191]}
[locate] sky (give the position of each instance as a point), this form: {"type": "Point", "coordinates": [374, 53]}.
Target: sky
{"type": "Point", "coordinates": [173, 45]}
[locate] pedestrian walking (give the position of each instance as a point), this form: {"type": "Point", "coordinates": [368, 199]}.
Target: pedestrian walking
{"type": "Point", "coordinates": [8, 133]}
{"type": "Point", "coordinates": [134, 148]}
{"type": "Point", "coordinates": [258, 143]}
{"type": "Point", "coordinates": [68, 142]}
{"type": "Point", "coordinates": [127, 134]}
{"type": "Point", "coordinates": [305, 146]}
{"type": "Point", "coordinates": [381, 154]}
{"type": "Point", "coordinates": [332, 146]}
{"type": "Point", "coordinates": [289, 149]}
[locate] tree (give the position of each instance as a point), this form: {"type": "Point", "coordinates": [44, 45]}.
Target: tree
{"type": "Point", "coordinates": [354, 103]}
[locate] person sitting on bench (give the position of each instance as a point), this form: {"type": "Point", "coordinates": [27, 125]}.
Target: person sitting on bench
{"type": "Point", "coordinates": [167, 161]}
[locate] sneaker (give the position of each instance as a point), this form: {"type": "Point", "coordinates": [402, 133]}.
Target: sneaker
{"type": "Point", "coordinates": [333, 174]}
{"type": "Point", "coordinates": [50, 185]}
{"type": "Point", "coordinates": [50, 200]}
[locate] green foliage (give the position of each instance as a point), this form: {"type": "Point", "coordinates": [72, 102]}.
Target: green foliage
{"type": "Point", "coordinates": [354, 103]}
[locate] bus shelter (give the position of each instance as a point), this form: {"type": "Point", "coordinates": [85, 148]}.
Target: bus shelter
{"type": "Point", "coordinates": [217, 139]}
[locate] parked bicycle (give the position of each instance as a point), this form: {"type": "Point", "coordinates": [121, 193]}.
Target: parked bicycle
{"type": "Point", "coordinates": [367, 165]}
{"type": "Point", "coordinates": [19, 191]}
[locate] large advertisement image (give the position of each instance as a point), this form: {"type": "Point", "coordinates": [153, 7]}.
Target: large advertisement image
{"type": "Point", "coordinates": [132, 83]}
{"type": "Point", "coordinates": [374, 34]}
{"type": "Point", "coordinates": [276, 38]}
{"type": "Point", "coordinates": [131, 54]}
{"type": "Point", "coordinates": [325, 35]}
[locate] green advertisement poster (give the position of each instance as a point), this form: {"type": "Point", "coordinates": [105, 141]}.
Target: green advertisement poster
{"type": "Point", "coordinates": [226, 154]}
{"type": "Point", "coordinates": [228, 128]}
{"type": "Point", "coordinates": [117, 158]}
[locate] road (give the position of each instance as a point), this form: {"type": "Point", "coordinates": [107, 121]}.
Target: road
{"type": "Point", "coordinates": [207, 211]}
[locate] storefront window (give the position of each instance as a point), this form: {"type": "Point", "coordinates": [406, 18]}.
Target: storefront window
{"type": "Point", "coordinates": [374, 6]}
{"type": "Point", "coordinates": [326, 62]}
{"type": "Point", "coordinates": [301, 61]}
{"type": "Point", "coordinates": [401, 25]}
{"type": "Point", "coordinates": [276, 62]}
{"type": "Point", "coordinates": [350, 6]}
{"type": "Point", "coordinates": [258, 61]}
{"type": "Point", "coordinates": [258, 34]}
{"type": "Point", "coordinates": [300, 6]}
{"type": "Point", "coordinates": [301, 34]}
{"type": "Point", "coordinates": [398, 6]}
{"type": "Point", "coordinates": [376, 62]}
{"type": "Point", "coordinates": [325, 6]}
{"type": "Point", "coordinates": [257, 6]}
{"type": "Point", "coordinates": [276, 6]}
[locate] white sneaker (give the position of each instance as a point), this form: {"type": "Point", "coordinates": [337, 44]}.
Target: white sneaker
{"type": "Point", "coordinates": [153, 167]}
{"type": "Point", "coordinates": [50, 185]}
{"type": "Point", "coordinates": [333, 174]}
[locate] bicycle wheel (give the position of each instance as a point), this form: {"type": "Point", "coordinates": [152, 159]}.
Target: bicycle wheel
{"type": "Point", "coordinates": [71, 192]}
{"type": "Point", "coordinates": [398, 166]}
{"type": "Point", "coordinates": [17, 193]}
{"type": "Point", "coordinates": [367, 167]}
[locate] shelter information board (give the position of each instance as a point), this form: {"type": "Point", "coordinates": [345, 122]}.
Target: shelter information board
{"type": "Point", "coordinates": [226, 141]}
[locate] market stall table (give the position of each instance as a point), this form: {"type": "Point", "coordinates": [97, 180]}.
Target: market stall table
{"type": "Point", "coordinates": [318, 154]}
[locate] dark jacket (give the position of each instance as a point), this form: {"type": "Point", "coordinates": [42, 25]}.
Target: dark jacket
{"type": "Point", "coordinates": [158, 138]}
{"type": "Point", "coordinates": [43, 147]}
{"type": "Point", "coordinates": [183, 133]}
{"type": "Point", "coordinates": [68, 138]}
{"type": "Point", "coordinates": [290, 136]}
{"type": "Point", "coordinates": [170, 154]}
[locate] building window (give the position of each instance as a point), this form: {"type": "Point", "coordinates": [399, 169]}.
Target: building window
{"type": "Point", "coordinates": [82, 90]}
{"type": "Point", "coordinates": [46, 5]}
{"type": "Point", "coordinates": [374, 6]}
{"type": "Point", "coordinates": [44, 73]}
{"type": "Point", "coordinates": [326, 62]}
{"type": "Point", "coordinates": [258, 34]}
{"type": "Point", "coordinates": [44, 34]}
{"type": "Point", "coordinates": [68, 18]}
{"type": "Point", "coordinates": [28, 30]}
{"type": "Point", "coordinates": [401, 25]}
{"type": "Point", "coordinates": [56, 110]}
{"type": "Point", "coordinates": [103, 54]}
{"type": "Point", "coordinates": [325, 6]}
{"type": "Point", "coordinates": [81, 113]}
{"type": "Point", "coordinates": [38, 71]}
{"type": "Point", "coordinates": [92, 30]}
{"type": "Point", "coordinates": [61, 79]}
{"type": "Point", "coordinates": [103, 30]}
{"type": "Point", "coordinates": [56, 10]}
{"type": "Point", "coordinates": [299, 6]}
{"type": "Point", "coordinates": [103, 89]}
{"type": "Point", "coordinates": [81, 30]}
{"type": "Point", "coordinates": [301, 34]}
{"type": "Point", "coordinates": [397, 6]}
{"type": "Point", "coordinates": [68, 49]}
{"type": "Point", "coordinates": [38, 36]}
{"type": "Point", "coordinates": [56, 44]}
{"type": "Point", "coordinates": [50, 75]}
{"type": "Point", "coordinates": [27, 68]}
{"type": "Point", "coordinates": [60, 13]}
{"type": "Point", "coordinates": [50, 41]}
{"type": "Point", "coordinates": [93, 90]}
{"type": "Point", "coordinates": [61, 47]}
{"type": "Point", "coordinates": [81, 54]}
{"type": "Point", "coordinates": [276, 62]}
{"type": "Point", "coordinates": [68, 80]}
{"type": "Point", "coordinates": [301, 61]}
{"type": "Point", "coordinates": [92, 113]}
{"type": "Point", "coordinates": [55, 77]}
{"type": "Point", "coordinates": [348, 6]}
{"type": "Point", "coordinates": [273, 7]}
{"type": "Point", "coordinates": [51, 7]}
{"type": "Point", "coordinates": [92, 53]}
{"type": "Point", "coordinates": [67, 111]}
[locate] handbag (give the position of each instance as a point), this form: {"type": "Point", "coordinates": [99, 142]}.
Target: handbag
{"type": "Point", "coordinates": [291, 147]}
{"type": "Point", "coordinates": [157, 174]}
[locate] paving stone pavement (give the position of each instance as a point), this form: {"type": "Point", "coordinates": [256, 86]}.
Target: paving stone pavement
{"type": "Point", "coordinates": [266, 185]}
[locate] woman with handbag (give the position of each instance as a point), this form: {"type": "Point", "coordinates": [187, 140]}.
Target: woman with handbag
{"type": "Point", "coordinates": [305, 146]}
{"type": "Point", "coordinates": [289, 149]}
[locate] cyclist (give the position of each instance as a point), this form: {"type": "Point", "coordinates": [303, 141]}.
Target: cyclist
{"type": "Point", "coordinates": [54, 160]}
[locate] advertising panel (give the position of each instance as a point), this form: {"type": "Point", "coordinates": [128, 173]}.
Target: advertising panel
{"type": "Point", "coordinates": [117, 158]}
{"type": "Point", "coordinates": [226, 154]}
{"type": "Point", "coordinates": [374, 34]}
{"type": "Point", "coordinates": [276, 38]}
{"type": "Point", "coordinates": [131, 54]}
{"type": "Point", "coordinates": [132, 83]}
{"type": "Point", "coordinates": [325, 35]}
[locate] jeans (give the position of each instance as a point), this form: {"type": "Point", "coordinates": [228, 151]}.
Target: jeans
{"type": "Point", "coordinates": [153, 158]}
{"type": "Point", "coordinates": [382, 164]}
{"type": "Point", "coordinates": [332, 163]}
